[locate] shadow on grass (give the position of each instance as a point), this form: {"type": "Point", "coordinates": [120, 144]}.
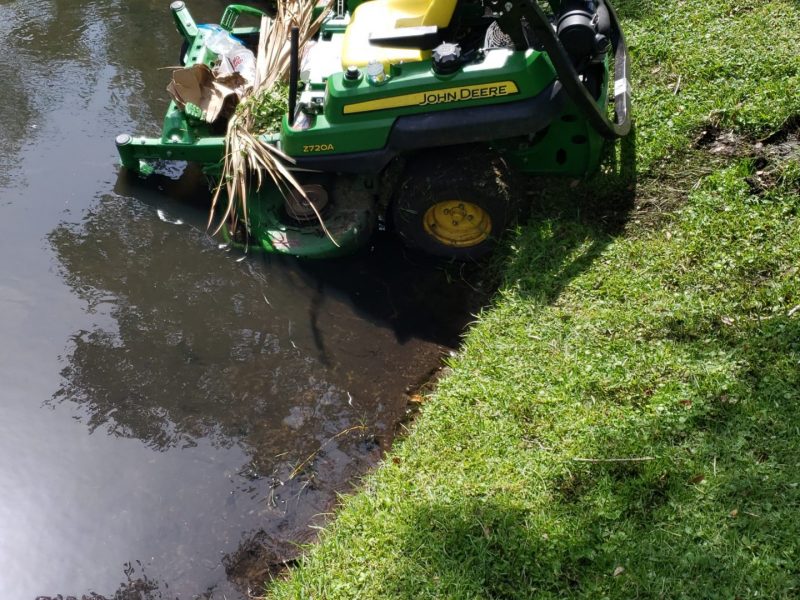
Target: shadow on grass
{"type": "Point", "coordinates": [713, 515]}
{"type": "Point", "coordinates": [710, 508]}
{"type": "Point", "coordinates": [571, 222]}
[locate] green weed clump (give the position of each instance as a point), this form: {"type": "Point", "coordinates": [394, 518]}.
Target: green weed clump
{"type": "Point", "coordinates": [624, 420]}
{"type": "Point", "coordinates": [268, 108]}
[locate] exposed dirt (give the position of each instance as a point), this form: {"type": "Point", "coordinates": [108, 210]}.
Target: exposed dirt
{"type": "Point", "coordinates": [260, 560]}
{"type": "Point", "coordinates": [772, 153]}
{"type": "Point", "coordinates": [670, 182]}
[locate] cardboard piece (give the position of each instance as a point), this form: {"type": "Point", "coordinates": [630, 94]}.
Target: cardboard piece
{"type": "Point", "coordinates": [215, 95]}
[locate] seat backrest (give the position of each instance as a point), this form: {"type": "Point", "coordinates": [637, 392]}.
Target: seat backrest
{"type": "Point", "coordinates": [439, 13]}
{"type": "Point", "coordinates": [423, 12]}
{"type": "Point", "coordinates": [382, 15]}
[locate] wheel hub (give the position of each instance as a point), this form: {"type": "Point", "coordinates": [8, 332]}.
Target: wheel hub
{"type": "Point", "coordinates": [457, 223]}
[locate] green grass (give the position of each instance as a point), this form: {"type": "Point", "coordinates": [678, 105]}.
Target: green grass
{"type": "Point", "coordinates": [736, 60]}
{"type": "Point", "coordinates": [677, 340]}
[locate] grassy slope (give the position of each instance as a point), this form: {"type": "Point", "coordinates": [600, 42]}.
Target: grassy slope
{"type": "Point", "coordinates": [675, 341]}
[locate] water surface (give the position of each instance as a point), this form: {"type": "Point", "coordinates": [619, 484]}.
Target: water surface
{"type": "Point", "coordinates": [174, 421]}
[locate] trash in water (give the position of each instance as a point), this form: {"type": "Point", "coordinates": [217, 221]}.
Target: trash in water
{"type": "Point", "coordinates": [204, 94]}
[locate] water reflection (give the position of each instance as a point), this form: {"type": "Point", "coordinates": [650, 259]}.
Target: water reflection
{"type": "Point", "coordinates": [194, 351]}
{"type": "Point", "coordinates": [302, 366]}
{"type": "Point", "coordinates": [188, 386]}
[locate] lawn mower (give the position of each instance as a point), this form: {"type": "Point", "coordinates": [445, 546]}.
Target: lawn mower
{"type": "Point", "coordinates": [413, 114]}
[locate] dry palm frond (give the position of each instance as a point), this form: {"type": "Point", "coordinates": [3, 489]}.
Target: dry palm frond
{"type": "Point", "coordinates": [247, 158]}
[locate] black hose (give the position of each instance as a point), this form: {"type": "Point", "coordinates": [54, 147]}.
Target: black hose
{"type": "Point", "coordinates": [294, 53]}
{"type": "Point", "coordinates": [569, 79]}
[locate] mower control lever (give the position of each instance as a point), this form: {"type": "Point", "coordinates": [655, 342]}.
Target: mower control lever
{"type": "Point", "coordinates": [232, 12]}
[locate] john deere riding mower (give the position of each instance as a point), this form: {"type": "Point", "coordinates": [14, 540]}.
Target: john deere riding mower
{"type": "Point", "coordinates": [412, 113]}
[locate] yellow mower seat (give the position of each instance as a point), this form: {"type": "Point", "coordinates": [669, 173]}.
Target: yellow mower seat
{"type": "Point", "coordinates": [376, 16]}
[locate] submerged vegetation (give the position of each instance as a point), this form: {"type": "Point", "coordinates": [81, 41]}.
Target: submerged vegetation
{"type": "Point", "coordinates": [623, 420]}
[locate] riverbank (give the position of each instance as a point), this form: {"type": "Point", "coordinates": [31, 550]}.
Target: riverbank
{"type": "Point", "coordinates": [622, 420]}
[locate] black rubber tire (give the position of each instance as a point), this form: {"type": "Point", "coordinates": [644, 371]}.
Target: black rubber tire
{"type": "Point", "coordinates": [477, 177]}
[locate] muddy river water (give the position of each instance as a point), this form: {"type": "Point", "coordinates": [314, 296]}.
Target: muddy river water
{"type": "Point", "coordinates": [173, 421]}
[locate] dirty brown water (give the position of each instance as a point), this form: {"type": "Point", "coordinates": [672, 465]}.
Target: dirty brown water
{"type": "Point", "coordinates": [157, 394]}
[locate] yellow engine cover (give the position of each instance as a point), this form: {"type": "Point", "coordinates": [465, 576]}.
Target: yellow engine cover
{"type": "Point", "coordinates": [376, 16]}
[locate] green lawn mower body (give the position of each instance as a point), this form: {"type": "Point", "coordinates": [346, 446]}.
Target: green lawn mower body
{"type": "Point", "coordinates": [409, 111]}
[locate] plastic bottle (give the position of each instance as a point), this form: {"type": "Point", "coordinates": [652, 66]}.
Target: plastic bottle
{"type": "Point", "coordinates": [217, 39]}
{"type": "Point", "coordinates": [243, 61]}
{"type": "Point", "coordinates": [233, 54]}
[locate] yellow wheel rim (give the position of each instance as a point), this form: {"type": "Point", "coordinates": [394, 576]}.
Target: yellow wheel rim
{"type": "Point", "coordinates": [457, 223]}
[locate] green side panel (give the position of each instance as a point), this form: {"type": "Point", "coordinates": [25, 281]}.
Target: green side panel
{"type": "Point", "coordinates": [327, 138]}
{"type": "Point", "coordinates": [530, 71]}
{"type": "Point", "coordinates": [416, 89]}
{"type": "Point", "coordinates": [569, 146]}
